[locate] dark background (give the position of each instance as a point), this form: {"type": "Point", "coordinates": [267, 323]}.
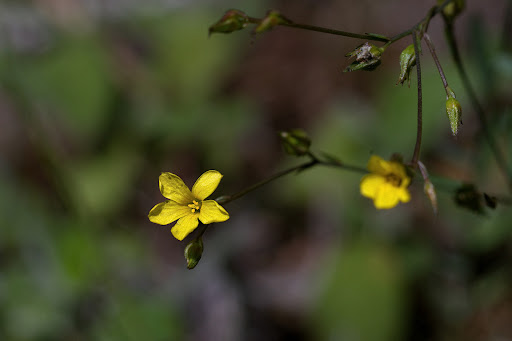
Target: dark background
{"type": "Point", "coordinates": [97, 98]}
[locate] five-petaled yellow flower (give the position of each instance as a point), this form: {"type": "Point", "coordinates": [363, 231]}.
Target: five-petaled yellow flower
{"type": "Point", "coordinates": [188, 206]}
{"type": "Point", "coordinates": [386, 184]}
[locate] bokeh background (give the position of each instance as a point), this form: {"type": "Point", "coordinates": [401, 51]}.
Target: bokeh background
{"type": "Point", "coordinates": [98, 97]}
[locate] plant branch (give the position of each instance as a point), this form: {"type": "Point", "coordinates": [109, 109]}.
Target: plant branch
{"type": "Point", "coordinates": [326, 30]}
{"type": "Point", "coordinates": [417, 146]}
{"type": "Point", "coordinates": [432, 49]}
{"type": "Point", "coordinates": [493, 145]}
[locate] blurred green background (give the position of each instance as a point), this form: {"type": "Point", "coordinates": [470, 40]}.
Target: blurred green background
{"type": "Point", "coordinates": [97, 98]}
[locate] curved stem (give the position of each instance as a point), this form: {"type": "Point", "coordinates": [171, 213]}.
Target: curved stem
{"type": "Point", "coordinates": [417, 146]}
{"type": "Point", "coordinates": [493, 145]}
{"type": "Point", "coordinates": [432, 49]}
{"type": "Point", "coordinates": [314, 161]}
{"type": "Point", "coordinates": [326, 30]}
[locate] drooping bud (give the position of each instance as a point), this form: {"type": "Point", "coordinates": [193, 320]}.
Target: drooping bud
{"type": "Point", "coordinates": [454, 112]}
{"type": "Point", "coordinates": [193, 252]}
{"type": "Point", "coordinates": [453, 9]}
{"type": "Point", "coordinates": [232, 20]}
{"type": "Point", "coordinates": [428, 187]}
{"type": "Point", "coordinates": [407, 62]}
{"type": "Point", "coordinates": [295, 142]}
{"type": "Point", "coordinates": [367, 57]}
{"type": "Point", "coordinates": [469, 197]}
{"type": "Point", "coordinates": [271, 19]}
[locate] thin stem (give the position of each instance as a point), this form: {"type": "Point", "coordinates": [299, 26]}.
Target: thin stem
{"type": "Point", "coordinates": [326, 30]}
{"type": "Point", "coordinates": [303, 166]}
{"type": "Point", "coordinates": [417, 147]}
{"type": "Point", "coordinates": [438, 64]}
{"type": "Point", "coordinates": [314, 161]}
{"type": "Point", "coordinates": [493, 145]}
{"type": "Point", "coordinates": [423, 22]}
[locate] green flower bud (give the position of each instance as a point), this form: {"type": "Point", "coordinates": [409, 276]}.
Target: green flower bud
{"type": "Point", "coordinates": [232, 20]}
{"type": "Point", "coordinates": [469, 197]}
{"type": "Point", "coordinates": [454, 112]}
{"type": "Point", "coordinates": [193, 252]}
{"type": "Point", "coordinates": [295, 142]}
{"type": "Point", "coordinates": [272, 19]}
{"type": "Point", "coordinates": [453, 9]}
{"type": "Point", "coordinates": [367, 57]}
{"type": "Point", "coordinates": [407, 62]}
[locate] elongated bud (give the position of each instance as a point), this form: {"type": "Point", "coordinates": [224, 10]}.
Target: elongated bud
{"type": "Point", "coordinates": [232, 20]}
{"type": "Point", "coordinates": [453, 9]}
{"type": "Point", "coordinates": [454, 112]}
{"type": "Point", "coordinates": [367, 57]}
{"type": "Point", "coordinates": [295, 142]}
{"type": "Point", "coordinates": [193, 252]}
{"type": "Point", "coordinates": [272, 19]}
{"type": "Point", "coordinates": [407, 62]}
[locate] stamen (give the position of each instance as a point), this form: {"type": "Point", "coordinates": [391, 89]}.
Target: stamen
{"type": "Point", "coordinates": [194, 206]}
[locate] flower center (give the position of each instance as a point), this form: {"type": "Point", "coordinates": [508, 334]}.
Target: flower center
{"type": "Point", "coordinates": [194, 206]}
{"type": "Point", "coordinates": [394, 180]}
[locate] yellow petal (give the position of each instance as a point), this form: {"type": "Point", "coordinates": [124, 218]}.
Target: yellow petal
{"type": "Point", "coordinates": [166, 212]}
{"type": "Point", "coordinates": [403, 195]}
{"type": "Point", "coordinates": [184, 226]}
{"type": "Point", "coordinates": [387, 197]}
{"type": "Point", "coordinates": [378, 165]}
{"type": "Point", "coordinates": [172, 187]}
{"type": "Point", "coordinates": [398, 169]}
{"type": "Point", "coordinates": [206, 184]}
{"type": "Point", "coordinates": [370, 185]}
{"type": "Point", "coordinates": [212, 212]}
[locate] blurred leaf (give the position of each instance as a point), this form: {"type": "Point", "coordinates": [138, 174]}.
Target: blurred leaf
{"type": "Point", "coordinates": [144, 318]}
{"type": "Point", "coordinates": [100, 185]}
{"type": "Point", "coordinates": [74, 80]}
{"type": "Point", "coordinates": [363, 298]}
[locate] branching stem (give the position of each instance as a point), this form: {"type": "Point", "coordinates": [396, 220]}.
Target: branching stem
{"type": "Point", "coordinates": [417, 146]}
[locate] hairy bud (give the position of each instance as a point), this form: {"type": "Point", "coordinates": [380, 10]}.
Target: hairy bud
{"type": "Point", "coordinates": [295, 142]}
{"type": "Point", "coordinates": [367, 57]}
{"type": "Point", "coordinates": [272, 19]}
{"type": "Point", "coordinates": [232, 20]}
{"type": "Point", "coordinates": [407, 62]}
{"type": "Point", "coordinates": [193, 252]}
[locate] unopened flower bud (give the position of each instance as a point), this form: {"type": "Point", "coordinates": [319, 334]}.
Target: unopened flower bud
{"type": "Point", "coordinates": [295, 142]}
{"type": "Point", "coordinates": [469, 197]}
{"type": "Point", "coordinates": [454, 112]}
{"type": "Point", "coordinates": [272, 19]}
{"type": "Point", "coordinates": [453, 9]}
{"type": "Point", "coordinates": [407, 62]}
{"type": "Point", "coordinates": [232, 20]}
{"type": "Point", "coordinates": [367, 57]}
{"type": "Point", "coordinates": [193, 252]}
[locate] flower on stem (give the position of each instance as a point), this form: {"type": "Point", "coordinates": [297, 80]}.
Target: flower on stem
{"type": "Point", "coordinates": [367, 57]}
{"type": "Point", "coordinates": [187, 207]}
{"type": "Point", "coordinates": [386, 184]}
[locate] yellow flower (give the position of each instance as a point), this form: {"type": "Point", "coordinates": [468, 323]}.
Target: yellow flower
{"type": "Point", "coordinates": [386, 184]}
{"type": "Point", "coordinates": [187, 206]}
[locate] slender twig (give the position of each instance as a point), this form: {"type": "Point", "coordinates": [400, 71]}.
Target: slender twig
{"type": "Point", "coordinates": [438, 64]}
{"type": "Point", "coordinates": [303, 166]}
{"type": "Point", "coordinates": [325, 30]}
{"type": "Point", "coordinates": [313, 161]}
{"type": "Point", "coordinates": [417, 146]}
{"type": "Point", "coordinates": [493, 145]}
